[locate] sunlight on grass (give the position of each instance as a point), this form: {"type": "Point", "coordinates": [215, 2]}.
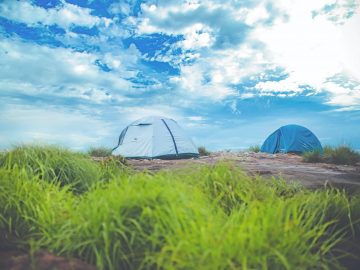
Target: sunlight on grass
{"type": "Point", "coordinates": [201, 217]}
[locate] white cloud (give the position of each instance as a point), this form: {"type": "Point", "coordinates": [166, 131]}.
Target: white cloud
{"type": "Point", "coordinates": [196, 118]}
{"type": "Point", "coordinates": [197, 36]}
{"type": "Point", "coordinates": [341, 96]}
{"type": "Point", "coordinates": [214, 74]}
{"type": "Point", "coordinates": [65, 16]}
{"type": "Point", "coordinates": [276, 87]}
{"type": "Point", "coordinates": [224, 24]}
{"type": "Point", "coordinates": [337, 11]}
{"type": "Point", "coordinates": [192, 81]}
{"type": "Point", "coordinates": [309, 49]}
{"type": "Point", "coordinates": [34, 69]}
{"type": "Point", "coordinates": [257, 14]}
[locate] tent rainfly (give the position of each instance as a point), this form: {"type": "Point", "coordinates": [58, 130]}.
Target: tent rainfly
{"type": "Point", "coordinates": [155, 137]}
{"type": "Point", "coordinates": [291, 138]}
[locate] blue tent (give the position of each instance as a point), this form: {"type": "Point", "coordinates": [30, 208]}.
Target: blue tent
{"type": "Point", "coordinates": [291, 138]}
{"type": "Point", "coordinates": [155, 137]}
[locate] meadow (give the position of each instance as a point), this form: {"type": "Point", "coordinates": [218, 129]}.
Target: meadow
{"type": "Point", "coordinates": [199, 217]}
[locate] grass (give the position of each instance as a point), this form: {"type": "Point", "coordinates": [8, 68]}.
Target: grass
{"type": "Point", "coordinates": [254, 148]}
{"type": "Point", "coordinates": [208, 217]}
{"type": "Point", "coordinates": [313, 157]}
{"type": "Point", "coordinates": [336, 155]}
{"type": "Point", "coordinates": [61, 166]}
{"type": "Point", "coordinates": [341, 155]}
{"type": "Point", "coordinates": [203, 151]}
{"type": "Point", "coordinates": [100, 151]}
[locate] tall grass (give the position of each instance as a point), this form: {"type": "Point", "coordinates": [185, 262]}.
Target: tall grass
{"type": "Point", "coordinates": [58, 165]}
{"type": "Point", "coordinates": [100, 151]}
{"type": "Point", "coordinates": [210, 217]}
{"type": "Point", "coordinates": [341, 155]}
{"type": "Point", "coordinates": [203, 151]}
{"type": "Point", "coordinates": [53, 164]}
{"type": "Point", "coordinates": [255, 148]}
{"type": "Point", "coordinates": [312, 156]}
{"type": "Point", "coordinates": [338, 155]}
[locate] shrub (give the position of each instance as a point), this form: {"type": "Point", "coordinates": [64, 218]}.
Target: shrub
{"type": "Point", "coordinates": [100, 151]}
{"type": "Point", "coordinates": [203, 151]}
{"type": "Point", "coordinates": [342, 155]}
{"type": "Point", "coordinates": [254, 148]}
{"type": "Point", "coordinates": [328, 150]}
{"type": "Point", "coordinates": [338, 155]}
{"type": "Point", "coordinates": [312, 156]}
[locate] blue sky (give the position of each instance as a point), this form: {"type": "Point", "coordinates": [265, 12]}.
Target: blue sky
{"type": "Point", "coordinates": [75, 73]}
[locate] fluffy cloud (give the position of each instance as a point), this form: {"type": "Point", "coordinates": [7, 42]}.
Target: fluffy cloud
{"type": "Point", "coordinates": [311, 50]}
{"type": "Point", "coordinates": [232, 42]}
{"type": "Point", "coordinates": [65, 16]}
{"type": "Point", "coordinates": [283, 87]}
{"type": "Point", "coordinates": [221, 23]}
{"type": "Point", "coordinates": [339, 95]}
{"type": "Point", "coordinates": [33, 69]}
{"type": "Point", "coordinates": [193, 82]}
{"type": "Point", "coordinates": [216, 74]}
{"type": "Point", "coordinates": [195, 61]}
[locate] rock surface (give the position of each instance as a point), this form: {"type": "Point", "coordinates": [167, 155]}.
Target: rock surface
{"type": "Point", "coordinates": [287, 166]}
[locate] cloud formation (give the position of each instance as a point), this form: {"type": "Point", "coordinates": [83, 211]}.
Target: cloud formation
{"type": "Point", "coordinates": [66, 15]}
{"type": "Point", "coordinates": [201, 62]}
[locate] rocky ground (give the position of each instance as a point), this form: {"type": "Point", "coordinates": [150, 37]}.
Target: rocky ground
{"type": "Point", "coordinates": [288, 166]}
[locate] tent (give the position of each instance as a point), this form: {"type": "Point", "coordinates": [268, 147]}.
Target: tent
{"type": "Point", "coordinates": [155, 137]}
{"type": "Point", "coordinates": [291, 138]}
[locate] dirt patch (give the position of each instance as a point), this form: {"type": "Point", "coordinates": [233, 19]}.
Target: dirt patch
{"type": "Point", "coordinates": [42, 260]}
{"type": "Point", "coordinates": [288, 166]}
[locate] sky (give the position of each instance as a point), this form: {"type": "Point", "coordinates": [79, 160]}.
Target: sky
{"type": "Point", "coordinates": [230, 72]}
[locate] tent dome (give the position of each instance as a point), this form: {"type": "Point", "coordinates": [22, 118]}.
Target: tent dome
{"type": "Point", "coordinates": [155, 137]}
{"type": "Point", "coordinates": [291, 138]}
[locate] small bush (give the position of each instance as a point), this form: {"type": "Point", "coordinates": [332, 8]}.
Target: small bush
{"type": "Point", "coordinates": [254, 148]}
{"type": "Point", "coordinates": [338, 155]}
{"type": "Point", "coordinates": [203, 151]}
{"type": "Point", "coordinates": [328, 150]}
{"type": "Point", "coordinates": [342, 155]}
{"type": "Point", "coordinates": [99, 152]}
{"type": "Point", "coordinates": [312, 157]}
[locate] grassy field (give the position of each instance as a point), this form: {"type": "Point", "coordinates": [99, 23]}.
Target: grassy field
{"type": "Point", "coordinates": [205, 217]}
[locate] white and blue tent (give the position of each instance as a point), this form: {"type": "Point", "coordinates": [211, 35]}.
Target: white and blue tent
{"type": "Point", "coordinates": [155, 137]}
